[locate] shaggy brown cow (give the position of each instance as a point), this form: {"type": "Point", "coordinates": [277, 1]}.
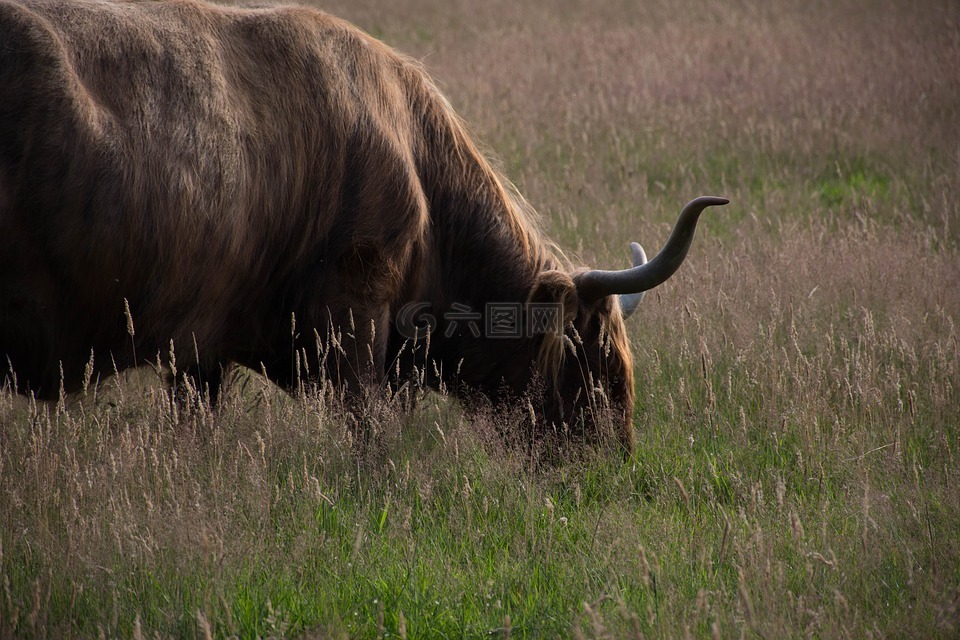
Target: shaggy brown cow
{"type": "Point", "coordinates": [273, 187]}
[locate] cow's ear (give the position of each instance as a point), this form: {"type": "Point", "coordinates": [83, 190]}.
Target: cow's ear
{"type": "Point", "coordinates": [556, 287]}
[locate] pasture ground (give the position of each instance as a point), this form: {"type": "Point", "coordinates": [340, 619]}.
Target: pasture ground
{"type": "Point", "coordinates": [798, 380]}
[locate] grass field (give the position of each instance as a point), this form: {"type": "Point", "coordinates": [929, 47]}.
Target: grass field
{"type": "Point", "coordinates": [798, 381]}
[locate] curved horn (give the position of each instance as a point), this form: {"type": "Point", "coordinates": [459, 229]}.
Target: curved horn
{"type": "Point", "coordinates": [630, 301]}
{"type": "Point", "coordinates": [596, 284]}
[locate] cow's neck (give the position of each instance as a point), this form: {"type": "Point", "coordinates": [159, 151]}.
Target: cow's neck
{"type": "Point", "coordinates": [483, 249]}
{"type": "Point", "coordinates": [486, 254]}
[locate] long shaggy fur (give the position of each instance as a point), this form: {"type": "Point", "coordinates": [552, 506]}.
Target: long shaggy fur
{"type": "Point", "coordinates": [254, 184]}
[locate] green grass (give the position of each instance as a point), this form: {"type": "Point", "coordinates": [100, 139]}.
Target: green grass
{"type": "Point", "coordinates": [797, 381]}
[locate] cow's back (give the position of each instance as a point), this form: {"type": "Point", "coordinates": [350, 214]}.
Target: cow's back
{"type": "Point", "coordinates": [193, 161]}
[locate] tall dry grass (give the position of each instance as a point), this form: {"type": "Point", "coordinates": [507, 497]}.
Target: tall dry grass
{"type": "Point", "coordinates": [797, 380]}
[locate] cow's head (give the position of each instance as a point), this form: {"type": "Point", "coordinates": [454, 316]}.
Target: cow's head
{"type": "Point", "coordinates": [587, 368]}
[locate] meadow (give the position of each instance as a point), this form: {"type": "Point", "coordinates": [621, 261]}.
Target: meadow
{"type": "Point", "coordinates": [797, 471]}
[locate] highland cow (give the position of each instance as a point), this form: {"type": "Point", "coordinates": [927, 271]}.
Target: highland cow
{"type": "Point", "coordinates": [274, 188]}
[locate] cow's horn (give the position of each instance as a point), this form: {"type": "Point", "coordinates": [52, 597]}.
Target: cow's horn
{"type": "Point", "coordinates": [596, 284]}
{"type": "Point", "coordinates": [630, 301]}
